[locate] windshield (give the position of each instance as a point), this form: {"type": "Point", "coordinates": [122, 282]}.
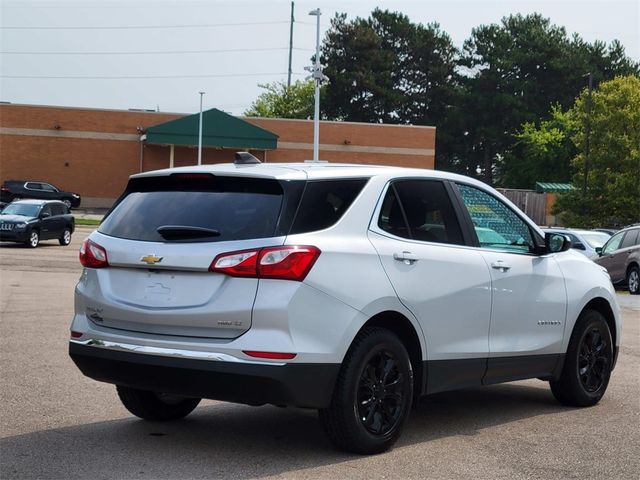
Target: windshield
{"type": "Point", "coordinates": [21, 209]}
{"type": "Point", "coordinates": [595, 239]}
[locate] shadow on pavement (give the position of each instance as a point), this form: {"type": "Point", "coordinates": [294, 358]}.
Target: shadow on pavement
{"type": "Point", "coordinates": [236, 441]}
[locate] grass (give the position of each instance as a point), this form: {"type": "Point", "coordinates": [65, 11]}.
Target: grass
{"type": "Point", "coordinates": [87, 221]}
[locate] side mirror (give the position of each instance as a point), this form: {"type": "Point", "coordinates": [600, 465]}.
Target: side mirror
{"type": "Point", "coordinates": [599, 251]}
{"type": "Point", "coordinates": [579, 246]}
{"type": "Point", "coordinates": [556, 242]}
{"type": "Point", "coordinates": [45, 215]}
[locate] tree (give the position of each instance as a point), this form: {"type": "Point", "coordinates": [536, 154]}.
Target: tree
{"type": "Point", "coordinates": [514, 73]}
{"type": "Point", "coordinates": [541, 153]}
{"type": "Point", "coordinates": [613, 179]}
{"type": "Point", "coordinates": [280, 101]}
{"type": "Point", "coordinates": [387, 69]}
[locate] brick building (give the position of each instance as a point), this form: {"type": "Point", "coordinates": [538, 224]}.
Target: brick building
{"type": "Point", "coordinates": [93, 152]}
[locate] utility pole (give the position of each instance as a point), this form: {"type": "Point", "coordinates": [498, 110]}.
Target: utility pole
{"type": "Point", "coordinates": [200, 132]}
{"type": "Point", "coordinates": [587, 134]}
{"type": "Point", "coordinates": [318, 77]}
{"type": "Point", "coordinates": [290, 46]}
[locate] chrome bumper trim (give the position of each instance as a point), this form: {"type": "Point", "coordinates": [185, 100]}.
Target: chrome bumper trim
{"type": "Point", "coordinates": [168, 352]}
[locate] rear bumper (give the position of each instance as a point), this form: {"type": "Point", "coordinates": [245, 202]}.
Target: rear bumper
{"type": "Point", "coordinates": [308, 385]}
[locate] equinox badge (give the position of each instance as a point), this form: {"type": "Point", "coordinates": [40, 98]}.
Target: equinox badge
{"type": "Point", "coordinates": [151, 259]}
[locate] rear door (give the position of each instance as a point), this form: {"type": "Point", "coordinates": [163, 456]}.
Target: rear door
{"type": "Point", "coordinates": [611, 257]}
{"type": "Point", "coordinates": [160, 241]}
{"type": "Point", "coordinates": [445, 284]}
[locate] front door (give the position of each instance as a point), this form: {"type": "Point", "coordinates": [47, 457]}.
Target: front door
{"type": "Point", "coordinates": [528, 307]}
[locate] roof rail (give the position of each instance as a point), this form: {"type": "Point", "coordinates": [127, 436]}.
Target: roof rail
{"type": "Point", "coordinates": [245, 158]}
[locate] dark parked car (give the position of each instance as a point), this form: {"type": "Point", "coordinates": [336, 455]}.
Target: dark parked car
{"type": "Point", "coordinates": [29, 221]}
{"type": "Point", "coordinates": [17, 189]}
{"type": "Point", "coordinates": [621, 257]}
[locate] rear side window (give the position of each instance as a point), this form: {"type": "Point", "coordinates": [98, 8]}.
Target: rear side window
{"type": "Point", "coordinates": [196, 207]}
{"type": "Point", "coordinates": [420, 210]}
{"type": "Point", "coordinates": [58, 209]}
{"type": "Point", "coordinates": [630, 239]}
{"type": "Point", "coordinates": [324, 202]}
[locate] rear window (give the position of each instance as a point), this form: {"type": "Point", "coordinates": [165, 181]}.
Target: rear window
{"type": "Point", "coordinates": [196, 207]}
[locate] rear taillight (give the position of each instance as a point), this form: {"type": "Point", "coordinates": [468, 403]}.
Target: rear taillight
{"type": "Point", "coordinates": [285, 263]}
{"type": "Point", "coordinates": [4, 189]}
{"type": "Point", "coordinates": [93, 255]}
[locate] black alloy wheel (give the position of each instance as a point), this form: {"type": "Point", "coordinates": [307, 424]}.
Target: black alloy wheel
{"type": "Point", "coordinates": [587, 365]}
{"type": "Point", "coordinates": [593, 360]}
{"type": "Point", "coordinates": [380, 397]}
{"type": "Point", "coordinates": [373, 393]}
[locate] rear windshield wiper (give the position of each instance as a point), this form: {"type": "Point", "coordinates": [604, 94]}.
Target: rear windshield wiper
{"type": "Point", "coordinates": [183, 232]}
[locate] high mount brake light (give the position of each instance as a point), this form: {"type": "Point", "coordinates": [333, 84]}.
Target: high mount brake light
{"type": "Point", "coordinates": [288, 262]}
{"type": "Point", "coordinates": [93, 255]}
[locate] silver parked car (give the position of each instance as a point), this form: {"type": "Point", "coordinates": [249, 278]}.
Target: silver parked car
{"type": "Point", "coordinates": [350, 289]}
{"type": "Point", "coordinates": [583, 241]}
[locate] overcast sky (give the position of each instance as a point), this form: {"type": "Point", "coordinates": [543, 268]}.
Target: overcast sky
{"type": "Point", "coordinates": [159, 54]}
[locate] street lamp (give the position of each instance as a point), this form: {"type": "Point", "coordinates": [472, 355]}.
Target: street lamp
{"type": "Point", "coordinates": [200, 132]}
{"type": "Point", "coordinates": [318, 77]}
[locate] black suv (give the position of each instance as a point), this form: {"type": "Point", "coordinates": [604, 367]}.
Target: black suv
{"type": "Point", "coordinates": [29, 221]}
{"type": "Point", "coordinates": [17, 189]}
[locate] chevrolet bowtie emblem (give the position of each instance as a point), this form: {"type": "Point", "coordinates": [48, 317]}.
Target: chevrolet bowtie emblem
{"type": "Point", "coordinates": [151, 259]}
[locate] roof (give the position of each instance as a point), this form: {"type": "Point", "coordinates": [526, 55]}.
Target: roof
{"type": "Point", "coordinates": [33, 201]}
{"type": "Point", "coordinates": [219, 129]}
{"type": "Point", "coordinates": [309, 170]}
{"type": "Point", "coordinates": [551, 187]}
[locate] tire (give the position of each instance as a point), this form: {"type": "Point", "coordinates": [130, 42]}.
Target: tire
{"type": "Point", "coordinates": [65, 239]}
{"type": "Point", "coordinates": [370, 406]}
{"type": "Point", "coordinates": [156, 406]}
{"type": "Point", "coordinates": [587, 366]}
{"type": "Point", "coordinates": [34, 239]}
{"type": "Point", "coordinates": [633, 280]}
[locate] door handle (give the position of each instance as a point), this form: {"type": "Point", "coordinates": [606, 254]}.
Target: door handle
{"type": "Point", "coordinates": [500, 265]}
{"type": "Point", "coordinates": [406, 257]}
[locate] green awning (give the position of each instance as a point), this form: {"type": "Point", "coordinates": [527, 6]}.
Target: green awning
{"type": "Point", "coordinates": [219, 129]}
{"type": "Point", "coordinates": [553, 187]}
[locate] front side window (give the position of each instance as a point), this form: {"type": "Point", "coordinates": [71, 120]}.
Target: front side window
{"type": "Point", "coordinates": [420, 210]}
{"type": "Point", "coordinates": [48, 188]}
{"type": "Point", "coordinates": [613, 243]}
{"type": "Point", "coordinates": [496, 225]}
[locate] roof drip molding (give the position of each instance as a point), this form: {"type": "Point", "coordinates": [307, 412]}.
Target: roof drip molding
{"type": "Point", "coordinates": [219, 129]}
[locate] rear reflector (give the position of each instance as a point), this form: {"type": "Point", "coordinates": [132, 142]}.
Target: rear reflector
{"type": "Point", "coordinates": [288, 262]}
{"type": "Point", "coordinates": [93, 255]}
{"type": "Point", "coordinates": [270, 355]}
{"type": "Point", "coordinates": [75, 334]}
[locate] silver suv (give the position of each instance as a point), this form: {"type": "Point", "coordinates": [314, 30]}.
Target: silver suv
{"type": "Point", "coordinates": [349, 289]}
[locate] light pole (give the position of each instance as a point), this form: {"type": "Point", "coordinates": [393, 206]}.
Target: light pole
{"type": "Point", "coordinates": [318, 77]}
{"type": "Point", "coordinates": [200, 132]}
{"type": "Point", "coordinates": [587, 134]}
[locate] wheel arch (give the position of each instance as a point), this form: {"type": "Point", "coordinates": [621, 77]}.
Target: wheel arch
{"type": "Point", "coordinates": [406, 332]}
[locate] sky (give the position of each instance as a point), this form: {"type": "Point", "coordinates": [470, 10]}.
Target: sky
{"type": "Point", "coordinates": [153, 54]}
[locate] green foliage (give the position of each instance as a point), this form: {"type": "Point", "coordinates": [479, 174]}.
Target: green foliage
{"type": "Point", "coordinates": [280, 101]}
{"type": "Point", "coordinates": [385, 69]}
{"type": "Point", "coordinates": [613, 192]}
{"type": "Point", "coordinates": [542, 153]}
{"type": "Point", "coordinates": [515, 73]}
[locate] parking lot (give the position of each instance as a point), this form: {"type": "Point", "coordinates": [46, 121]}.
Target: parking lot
{"type": "Point", "coordinates": [55, 423]}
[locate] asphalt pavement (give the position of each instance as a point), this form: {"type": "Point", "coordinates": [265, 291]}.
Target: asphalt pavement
{"type": "Point", "coordinates": [57, 424]}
